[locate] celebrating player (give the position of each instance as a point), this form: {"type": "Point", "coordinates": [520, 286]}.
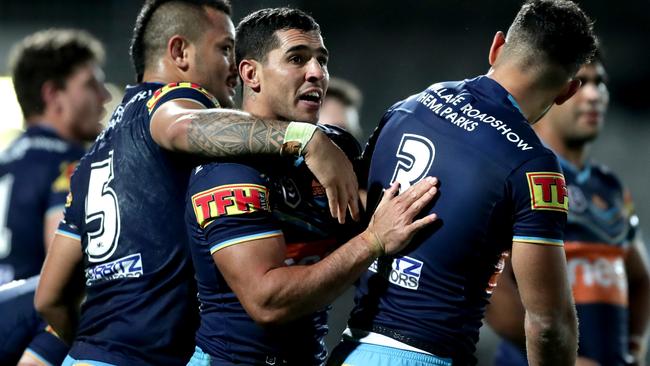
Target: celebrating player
{"type": "Point", "coordinates": [123, 219]}
{"type": "Point", "coordinates": [265, 224]}
{"type": "Point", "coordinates": [425, 305]}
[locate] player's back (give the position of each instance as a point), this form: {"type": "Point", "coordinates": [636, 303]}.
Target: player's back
{"type": "Point", "coordinates": [471, 136]}
{"type": "Point", "coordinates": [34, 178]}
{"type": "Point", "coordinates": [126, 205]}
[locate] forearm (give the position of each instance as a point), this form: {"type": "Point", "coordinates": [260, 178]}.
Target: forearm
{"type": "Point", "coordinates": [225, 132]}
{"type": "Point", "coordinates": [639, 315]}
{"type": "Point", "coordinates": [287, 293]}
{"type": "Point", "coordinates": [552, 340]}
{"type": "Point", "coordinates": [63, 318]}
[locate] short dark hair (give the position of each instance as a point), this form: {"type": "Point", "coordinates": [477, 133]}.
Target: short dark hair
{"type": "Point", "coordinates": [159, 20]}
{"type": "Point", "coordinates": [255, 34]}
{"type": "Point", "coordinates": [557, 30]}
{"type": "Point", "coordinates": [49, 55]}
{"type": "Point", "coordinates": [344, 91]}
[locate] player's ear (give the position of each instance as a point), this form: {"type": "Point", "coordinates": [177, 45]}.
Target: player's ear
{"type": "Point", "coordinates": [178, 51]}
{"type": "Point", "coordinates": [49, 94]}
{"type": "Point", "coordinates": [249, 72]}
{"type": "Point", "coordinates": [569, 90]}
{"type": "Point", "coordinates": [497, 44]}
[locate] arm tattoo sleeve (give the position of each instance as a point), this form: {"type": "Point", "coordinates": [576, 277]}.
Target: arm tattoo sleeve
{"type": "Point", "coordinates": [225, 133]}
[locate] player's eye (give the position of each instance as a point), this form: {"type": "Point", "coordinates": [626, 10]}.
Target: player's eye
{"type": "Point", "coordinates": [323, 60]}
{"type": "Point", "coordinates": [296, 59]}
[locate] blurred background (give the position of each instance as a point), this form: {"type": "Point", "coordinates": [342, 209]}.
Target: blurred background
{"type": "Point", "coordinates": [390, 50]}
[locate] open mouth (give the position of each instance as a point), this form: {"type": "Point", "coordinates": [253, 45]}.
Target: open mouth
{"type": "Point", "coordinates": [312, 97]}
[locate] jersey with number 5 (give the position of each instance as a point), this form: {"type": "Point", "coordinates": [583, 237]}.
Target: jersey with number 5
{"type": "Point", "coordinates": [126, 208]}
{"type": "Point", "coordinates": [498, 183]}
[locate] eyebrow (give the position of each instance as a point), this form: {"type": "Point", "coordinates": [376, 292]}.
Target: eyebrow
{"type": "Point", "coordinates": [302, 47]}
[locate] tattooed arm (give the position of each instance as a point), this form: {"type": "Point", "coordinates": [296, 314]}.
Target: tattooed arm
{"type": "Point", "coordinates": [179, 126]}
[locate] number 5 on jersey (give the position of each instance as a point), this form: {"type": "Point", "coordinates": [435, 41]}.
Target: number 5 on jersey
{"type": "Point", "coordinates": [415, 155]}
{"type": "Point", "coordinates": [101, 204]}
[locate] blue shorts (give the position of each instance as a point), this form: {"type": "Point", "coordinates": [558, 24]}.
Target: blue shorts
{"type": "Point", "coordinates": [199, 358]}
{"type": "Point", "coordinates": [350, 353]}
{"type": "Point", "coordinates": [69, 361]}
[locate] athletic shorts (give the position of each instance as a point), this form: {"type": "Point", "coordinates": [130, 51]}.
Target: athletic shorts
{"type": "Point", "coordinates": [69, 361]}
{"type": "Point", "coordinates": [350, 353]}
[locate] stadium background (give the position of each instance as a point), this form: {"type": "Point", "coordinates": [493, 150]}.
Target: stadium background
{"type": "Point", "coordinates": [392, 49]}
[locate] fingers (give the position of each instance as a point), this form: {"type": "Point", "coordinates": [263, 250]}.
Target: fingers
{"type": "Point", "coordinates": [417, 190]}
{"type": "Point", "coordinates": [389, 193]}
{"type": "Point", "coordinates": [332, 197]}
{"type": "Point", "coordinates": [421, 202]}
{"type": "Point", "coordinates": [418, 225]}
{"type": "Point", "coordinates": [342, 206]}
{"type": "Point", "coordinates": [353, 206]}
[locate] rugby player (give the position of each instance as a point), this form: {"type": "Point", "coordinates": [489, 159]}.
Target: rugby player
{"type": "Point", "coordinates": [265, 224]}
{"type": "Point", "coordinates": [607, 261]}
{"type": "Point", "coordinates": [425, 305]}
{"type": "Point", "coordinates": [59, 86]}
{"type": "Point", "coordinates": [123, 222]}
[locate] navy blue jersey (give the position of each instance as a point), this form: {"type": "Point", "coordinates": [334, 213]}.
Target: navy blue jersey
{"type": "Point", "coordinates": [23, 330]}
{"type": "Point", "coordinates": [231, 203]}
{"type": "Point", "coordinates": [34, 179]}
{"type": "Point", "coordinates": [599, 229]}
{"type": "Point", "coordinates": [498, 184]}
{"type": "Point", "coordinates": [126, 202]}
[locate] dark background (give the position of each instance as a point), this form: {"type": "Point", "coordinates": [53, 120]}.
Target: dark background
{"type": "Point", "coordinates": [392, 49]}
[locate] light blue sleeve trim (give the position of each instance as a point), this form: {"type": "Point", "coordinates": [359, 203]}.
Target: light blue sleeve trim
{"type": "Point", "coordinates": [223, 244]}
{"type": "Point", "coordinates": [38, 357]}
{"type": "Point", "coordinates": [68, 234]}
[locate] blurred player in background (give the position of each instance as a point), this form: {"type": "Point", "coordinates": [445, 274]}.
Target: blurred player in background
{"type": "Point", "coordinates": [123, 221]}
{"type": "Point", "coordinates": [341, 106]}
{"type": "Point", "coordinates": [59, 85]}
{"type": "Point", "coordinates": [501, 189]}
{"type": "Point", "coordinates": [607, 260]}
{"type": "Point", "coordinates": [265, 224]}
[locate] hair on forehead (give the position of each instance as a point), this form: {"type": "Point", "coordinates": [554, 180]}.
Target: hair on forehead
{"type": "Point", "coordinates": [256, 36]}
{"type": "Point", "coordinates": [159, 20]}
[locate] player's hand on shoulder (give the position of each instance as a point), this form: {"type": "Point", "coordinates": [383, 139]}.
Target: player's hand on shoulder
{"type": "Point", "coordinates": [334, 171]}
{"type": "Point", "coordinates": [392, 226]}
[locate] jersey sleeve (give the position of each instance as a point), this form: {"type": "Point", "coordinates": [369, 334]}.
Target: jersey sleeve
{"type": "Point", "coordinates": [541, 202]}
{"type": "Point", "coordinates": [228, 204]}
{"type": "Point", "coordinates": [60, 187]}
{"type": "Point", "coordinates": [181, 91]}
{"type": "Point", "coordinates": [73, 215]}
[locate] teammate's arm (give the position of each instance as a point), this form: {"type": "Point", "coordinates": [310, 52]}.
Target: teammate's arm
{"type": "Point", "coordinates": [550, 320]}
{"type": "Point", "coordinates": [638, 276]}
{"type": "Point", "coordinates": [506, 314]}
{"type": "Point", "coordinates": [180, 125]}
{"type": "Point", "coordinates": [273, 293]}
{"type": "Point", "coordinates": [51, 222]}
{"type": "Point", "coordinates": [60, 288]}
